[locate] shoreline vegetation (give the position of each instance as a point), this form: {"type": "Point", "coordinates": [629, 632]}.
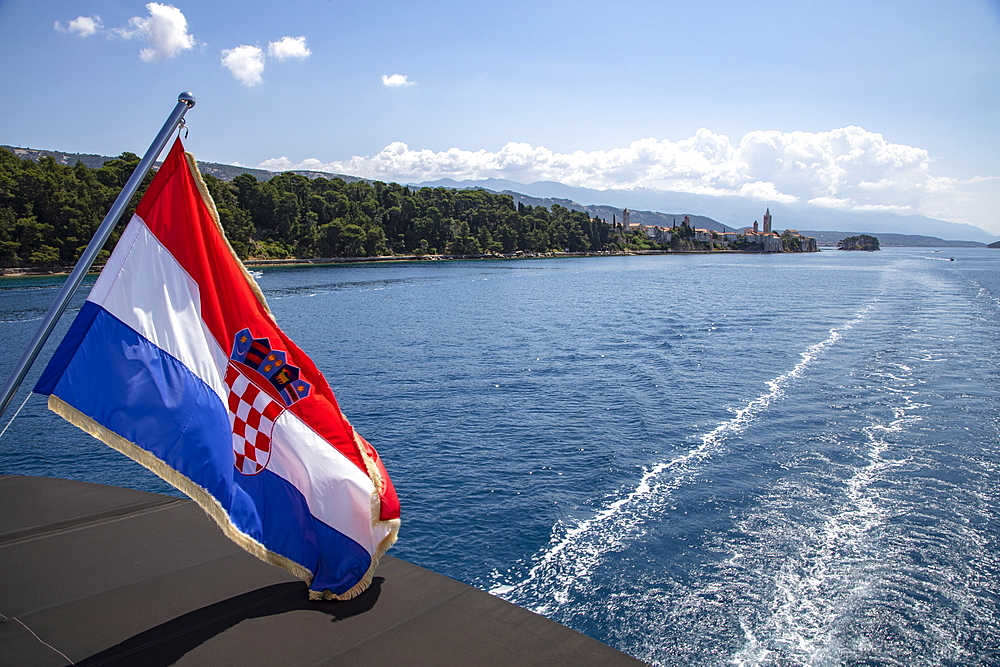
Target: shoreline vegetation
{"type": "Point", "coordinates": [49, 212]}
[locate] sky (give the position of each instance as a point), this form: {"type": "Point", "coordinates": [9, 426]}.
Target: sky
{"type": "Point", "coordinates": [855, 105]}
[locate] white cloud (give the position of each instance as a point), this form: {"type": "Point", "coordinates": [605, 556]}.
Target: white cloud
{"type": "Point", "coordinates": [765, 190]}
{"type": "Point", "coordinates": [289, 47]}
{"type": "Point", "coordinates": [396, 80]}
{"type": "Point", "coordinates": [891, 208]}
{"type": "Point", "coordinates": [847, 168]}
{"type": "Point", "coordinates": [283, 164]}
{"type": "Point", "coordinates": [246, 63]}
{"type": "Point", "coordinates": [834, 202]}
{"type": "Point", "coordinates": [165, 32]}
{"type": "Point", "coordinates": [84, 26]}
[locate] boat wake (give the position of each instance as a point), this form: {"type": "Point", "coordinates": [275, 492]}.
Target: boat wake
{"type": "Point", "coordinates": [562, 571]}
{"type": "Point", "coordinates": [832, 553]}
{"type": "Point", "coordinates": [883, 551]}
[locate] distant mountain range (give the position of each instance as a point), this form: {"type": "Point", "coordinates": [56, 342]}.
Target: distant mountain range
{"type": "Point", "coordinates": [612, 213]}
{"type": "Point", "coordinates": [890, 240]}
{"type": "Point", "coordinates": [732, 211]}
{"type": "Point", "coordinates": [225, 172]}
{"type": "Point", "coordinates": [823, 238]}
{"type": "Point", "coordinates": [655, 207]}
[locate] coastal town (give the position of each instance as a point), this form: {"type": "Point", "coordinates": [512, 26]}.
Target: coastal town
{"type": "Point", "coordinates": [758, 238]}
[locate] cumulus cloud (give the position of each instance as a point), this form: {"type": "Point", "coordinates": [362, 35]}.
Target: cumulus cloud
{"type": "Point", "coordinates": [246, 63]}
{"type": "Point", "coordinates": [763, 190]}
{"type": "Point", "coordinates": [848, 168]}
{"type": "Point", "coordinates": [289, 47]}
{"type": "Point", "coordinates": [396, 80]}
{"type": "Point", "coordinates": [165, 32]}
{"type": "Point", "coordinates": [84, 26]}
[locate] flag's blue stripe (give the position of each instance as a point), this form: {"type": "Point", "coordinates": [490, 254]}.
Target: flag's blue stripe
{"type": "Point", "coordinates": [67, 348]}
{"type": "Point", "coordinates": [122, 381]}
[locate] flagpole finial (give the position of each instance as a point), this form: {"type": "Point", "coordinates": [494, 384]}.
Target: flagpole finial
{"type": "Point", "coordinates": [186, 98]}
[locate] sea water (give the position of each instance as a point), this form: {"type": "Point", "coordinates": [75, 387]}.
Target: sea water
{"type": "Point", "coordinates": [698, 459]}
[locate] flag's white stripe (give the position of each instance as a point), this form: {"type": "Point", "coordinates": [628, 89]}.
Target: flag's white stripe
{"type": "Point", "coordinates": [145, 287]}
{"type": "Point", "coordinates": [338, 495]}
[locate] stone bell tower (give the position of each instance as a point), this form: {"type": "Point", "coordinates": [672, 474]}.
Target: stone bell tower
{"type": "Point", "coordinates": [767, 221]}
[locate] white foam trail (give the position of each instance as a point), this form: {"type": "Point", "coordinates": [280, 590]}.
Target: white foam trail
{"type": "Point", "coordinates": [830, 572]}
{"type": "Point", "coordinates": [573, 553]}
{"type": "Point", "coordinates": [889, 560]}
{"type": "Point", "coordinates": [984, 293]}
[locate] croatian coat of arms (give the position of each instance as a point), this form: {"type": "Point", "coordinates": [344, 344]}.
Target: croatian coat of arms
{"type": "Point", "coordinates": [262, 385]}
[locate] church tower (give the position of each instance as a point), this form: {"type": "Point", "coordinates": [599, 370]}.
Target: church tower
{"type": "Point", "coordinates": [767, 221]}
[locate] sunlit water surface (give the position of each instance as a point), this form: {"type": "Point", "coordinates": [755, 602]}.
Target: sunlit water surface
{"type": "Point", "coordinates": [700, 460]}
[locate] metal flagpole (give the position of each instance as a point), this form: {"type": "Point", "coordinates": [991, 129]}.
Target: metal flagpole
{"type": "Point", "coordinates": [184, 102]}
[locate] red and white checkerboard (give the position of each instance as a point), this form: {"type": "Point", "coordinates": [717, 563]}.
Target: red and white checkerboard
{"type": "Point", "coordinates": [252, 413]}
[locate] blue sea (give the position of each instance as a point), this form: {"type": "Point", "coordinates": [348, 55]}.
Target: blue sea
{"type": "Point", "coordinates": [698, 459]}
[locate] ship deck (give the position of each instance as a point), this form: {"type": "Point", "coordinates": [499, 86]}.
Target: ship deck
{"type": "Point", "coordinates": [100, 575]}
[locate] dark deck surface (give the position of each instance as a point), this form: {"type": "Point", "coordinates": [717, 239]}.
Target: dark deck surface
{"type": "Point", "coordinates": [99, 575]}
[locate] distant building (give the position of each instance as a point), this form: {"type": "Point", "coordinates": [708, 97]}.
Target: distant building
{"type": "Point", "coordinates": [763, 240]}
{"type": "Point", "coordinates": [657, 233]}
{"type": "Point", "coordinates": [792, 240]}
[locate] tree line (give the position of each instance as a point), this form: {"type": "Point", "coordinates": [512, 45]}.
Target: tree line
{"type": "Point", "coordinates": [49, 212]}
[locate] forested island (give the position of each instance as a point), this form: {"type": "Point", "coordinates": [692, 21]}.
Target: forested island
{"type": "Point", "coordinates": [49, 211]}
{"type": "Point", "coordinates": [859, 242]}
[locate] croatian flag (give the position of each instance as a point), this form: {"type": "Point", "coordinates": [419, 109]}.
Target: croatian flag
{"type": "Point", "coordinates": [175, 361]}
